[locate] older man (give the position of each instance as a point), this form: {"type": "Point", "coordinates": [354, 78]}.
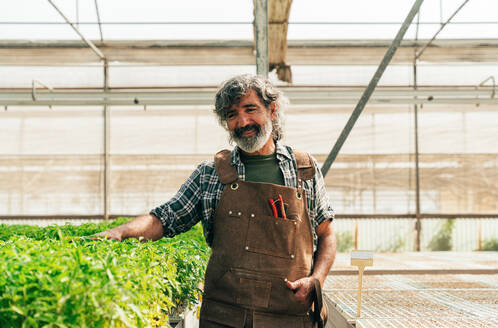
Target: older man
{"type": "Point", "coordinates": [265, 214]}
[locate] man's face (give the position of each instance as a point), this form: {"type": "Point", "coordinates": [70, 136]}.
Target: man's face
{"type": "Point", "coordinates": [249, 122]}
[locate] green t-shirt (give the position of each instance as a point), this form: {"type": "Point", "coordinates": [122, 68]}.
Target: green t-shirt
{"type": "Point", "coordinates": [262, 168]}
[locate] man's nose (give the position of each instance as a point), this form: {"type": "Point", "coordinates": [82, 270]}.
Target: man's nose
{"type": "Point", "coordinates": [243, 120]}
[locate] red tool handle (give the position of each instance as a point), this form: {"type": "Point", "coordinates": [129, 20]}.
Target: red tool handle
{"type": "Point", "coordinates": [282, 207]}
{"type": "Point", "coordinates": [273, 207]}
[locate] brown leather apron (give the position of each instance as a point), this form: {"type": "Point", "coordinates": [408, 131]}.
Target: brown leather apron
{"type": "Point", "coordinates": [253, 252]}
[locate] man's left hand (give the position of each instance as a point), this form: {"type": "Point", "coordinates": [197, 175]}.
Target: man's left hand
{"type": "Point", "coordinates": [302, 289]}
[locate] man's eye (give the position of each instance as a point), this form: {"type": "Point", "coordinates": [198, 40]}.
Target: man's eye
{"type": "Point", "coordinates": [230, 115]}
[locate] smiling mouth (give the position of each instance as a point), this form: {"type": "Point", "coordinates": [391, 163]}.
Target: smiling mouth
{"type": "Point", "coordinates": [247, 131]}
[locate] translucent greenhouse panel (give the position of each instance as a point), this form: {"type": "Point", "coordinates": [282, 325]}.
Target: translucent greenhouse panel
{"type": "Point", "coordinates": [153, 153]}
{"type": "Point", "coordinates": [459, 160]}
{"type": "Point", "coordinates": [458, 235]}
{"type": "Point", "coordinates": [373, 172]}
{"type": "Point", "coordinates": [373, 133]}
{"type": "Point", "coordinates": [53, 76]}
{"type": "Point", "coordinates": [154, 132]}
{"type": "Point", "coordinates": [50, 163]}
{"type": "Point", "coordinates": [43, 132]}
{"type": "Point", "coordinates": [463, 73]}
{"type": "Point", "coordinates": [349, 75]}
{"type": "Point", "coordinates": [167, 76]}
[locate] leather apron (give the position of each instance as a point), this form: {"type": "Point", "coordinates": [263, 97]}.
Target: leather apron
{"type": "Point", "coordinates": [253, 252]}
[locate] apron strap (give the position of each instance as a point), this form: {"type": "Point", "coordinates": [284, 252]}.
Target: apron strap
{"type": "Point", "coordinates": [305, 165]}
{"type": "Point", "coordinates": [222, 163]}
{"type": "Point", "coordinates": [228, 173]}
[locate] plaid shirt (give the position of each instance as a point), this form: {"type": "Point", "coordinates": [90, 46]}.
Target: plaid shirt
{"type": "Point", "coordinates": [199, 195]}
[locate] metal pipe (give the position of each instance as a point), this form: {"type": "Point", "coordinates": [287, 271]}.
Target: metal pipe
{"type": "Point", "coordinates": [492, 78]}
{"type": "Point", "coordinates": [245, 23]}
{"type": "Point", "coordinates": [33, 88]}
{"type": "Point", "coordinates": [261, 27]}
{"type": "Point", "coordinates": [88, 42]}
{"type": "Point", "coordinates": [203, 96]}
{"type": "Point", "coordinates": [371, 87]}
{"type": "Point", "coordinates": [441, 216]}
{"type": "Point", "coordinates": [418, 222]}
{"type": "Point", "coordinates": [417, 56]}
{"type": "Point", "coordinates": [107, 146]}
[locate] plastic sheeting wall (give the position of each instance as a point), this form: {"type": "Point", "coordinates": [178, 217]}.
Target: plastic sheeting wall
{"type": "Point", "coordinates": [51, 160]}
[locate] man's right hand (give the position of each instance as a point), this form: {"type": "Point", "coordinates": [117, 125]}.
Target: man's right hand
{"type": "Point", "coordinates": [146, 227]}
{"type": "Point", "coordinates": [114, 234]}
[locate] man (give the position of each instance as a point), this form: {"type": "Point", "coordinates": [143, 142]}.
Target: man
{"type": "Point", "coordinates": [265, 214]}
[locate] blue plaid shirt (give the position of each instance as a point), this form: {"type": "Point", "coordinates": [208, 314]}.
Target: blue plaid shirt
{"type": "Point", "coordinates": [199, 195]}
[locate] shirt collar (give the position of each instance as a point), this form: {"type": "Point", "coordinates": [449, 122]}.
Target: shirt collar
{"type": "Point", "coordinates": [283, 154]}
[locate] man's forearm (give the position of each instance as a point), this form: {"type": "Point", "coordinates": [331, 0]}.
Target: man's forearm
{"type": "Point", "coordinates": [325, 253]}
{"type": "Point", "coordinates": [324, 258]}
{"type": "Point", "coordinates": [147, 226]}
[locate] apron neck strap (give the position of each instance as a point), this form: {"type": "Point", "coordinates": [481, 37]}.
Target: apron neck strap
{"type": "Point", "coordinates": [305, 166]}
{"type": "Point", "coordinates": [226, 172]}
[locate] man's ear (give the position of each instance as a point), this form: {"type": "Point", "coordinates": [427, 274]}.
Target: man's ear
{"type": "Point", "coordinates": [272, 110]}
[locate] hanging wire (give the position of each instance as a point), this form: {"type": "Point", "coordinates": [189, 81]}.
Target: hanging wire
{"type": "Point", "coordinates": [440, 29]}
{"type": "Point", "coordinates": [441, 11]}
{"type": "Point", "coordinates": [100, 23]}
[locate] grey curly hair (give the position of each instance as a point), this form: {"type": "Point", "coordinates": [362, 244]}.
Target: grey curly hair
{"type": "Point", "coordinates": [237, 87]}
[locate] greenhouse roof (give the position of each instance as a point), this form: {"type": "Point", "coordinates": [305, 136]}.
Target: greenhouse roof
{"type": "Point", "coordinates": [225, 19]}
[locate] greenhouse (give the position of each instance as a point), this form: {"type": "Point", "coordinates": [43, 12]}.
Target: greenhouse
{"type": "Point", "coordinates": [107, 107]}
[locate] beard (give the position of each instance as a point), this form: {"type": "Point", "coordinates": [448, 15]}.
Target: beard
{"type": "Point", "coordinates": [252, 143]}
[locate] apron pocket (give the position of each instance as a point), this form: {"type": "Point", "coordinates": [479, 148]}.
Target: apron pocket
{"type": "Point", "coordinates": [221, 313]}
{"type": "Point", "coordinates": [271, 236]}
{"type": "Point", "coordinates": [254, 293]}
{"type": "Point", "coordinates": [268, 320]}
{"type": "Point", "coordinates": [249, 291]}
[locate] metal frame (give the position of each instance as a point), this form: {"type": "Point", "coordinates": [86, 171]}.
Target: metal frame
{"type": "Point", "coordinates": [261, 28]}
{"type": "Point", "coordinates": [107, 124]}
{"type": "Point", "coordinates": [442, 216]}
{"type": "Point", "coordinates": [412, 271]}
{"type": "Point", "coordinates": [241, 23]}
{"type": "Point", "coordinates": [240, 52]}
{"type": "Point", "coordinates": [305, 95]}
{"type": "Point", "coordinates": [418, 54]}
{"type": "Point", "coordinates": [371, 87]}
{"type": "Point", "coordinates": [418, 223]}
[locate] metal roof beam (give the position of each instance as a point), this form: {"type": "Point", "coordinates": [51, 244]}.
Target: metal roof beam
{"type": "Point", "coordinates": [371, 87]}
{"type": "Point", "coordinates": [205, 96]}
{"type": "Point", "coordinates": [90, 43]}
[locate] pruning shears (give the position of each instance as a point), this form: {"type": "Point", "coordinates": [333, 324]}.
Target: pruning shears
{"type": "Point", "coordinates": [281, 207]}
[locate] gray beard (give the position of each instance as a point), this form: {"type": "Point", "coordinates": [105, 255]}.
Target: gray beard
{"type": "Point", "coordinates": [256, 142]}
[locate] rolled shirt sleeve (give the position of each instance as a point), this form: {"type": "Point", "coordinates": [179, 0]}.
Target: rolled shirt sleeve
{"type": "Point", "coordinates": [182, 211]}
{"type": "Point", "coordinates": [323, 207]}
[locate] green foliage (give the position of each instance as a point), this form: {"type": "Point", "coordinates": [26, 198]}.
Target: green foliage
{"type": "Point", "coordinates": [344, 241]}
{"type": "Point", "coordinates": [490, 245]}
{"type": "Point", "coordinates": [442, 240]}
{"type": "Point", "coordinates": [50, 280]}
{"type": "Point", "coordinates": [52, 232]}
{"type": "Point", "coordinates": [397, 245]}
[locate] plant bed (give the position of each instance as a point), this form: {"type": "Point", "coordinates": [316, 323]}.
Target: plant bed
{"type": "Point", "coordinates": [52, 278]}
